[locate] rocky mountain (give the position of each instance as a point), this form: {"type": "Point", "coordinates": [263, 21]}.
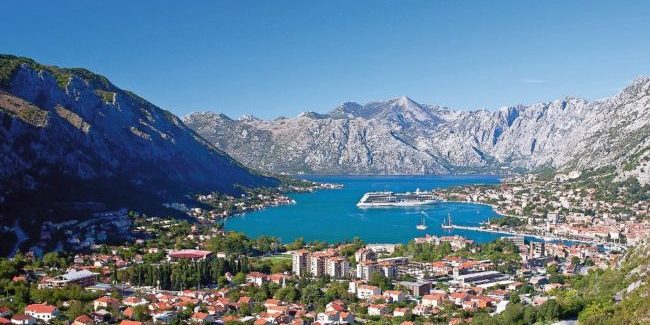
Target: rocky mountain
{"type": "Point", "coordinates": [401, 136]}
{"type": "Point", "coordinates": [71, 140]}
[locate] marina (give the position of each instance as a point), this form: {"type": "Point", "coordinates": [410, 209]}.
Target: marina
{"type": "Point", "coordinates": [517, 233]}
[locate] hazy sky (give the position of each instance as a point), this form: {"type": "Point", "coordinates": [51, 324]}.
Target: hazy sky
{"type": "Point", "coordinates": [273, 58]}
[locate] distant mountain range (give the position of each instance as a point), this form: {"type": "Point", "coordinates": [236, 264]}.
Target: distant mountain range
{"type": "Point", "coordinates": [71, 140]}
{"type": "Point", "coordinates": [401, 136]}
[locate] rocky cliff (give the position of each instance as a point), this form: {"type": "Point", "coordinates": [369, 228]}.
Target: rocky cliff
{"type": "Point", "coordinates": [71, 139]}
{"type": "Point", "coordinates": [400, 136]}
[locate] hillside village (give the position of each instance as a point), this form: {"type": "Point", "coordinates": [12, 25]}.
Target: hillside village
{"type": "Point", "coordinates": [198, 274]}
{"type": "Point", "coordinates": [568, 206]}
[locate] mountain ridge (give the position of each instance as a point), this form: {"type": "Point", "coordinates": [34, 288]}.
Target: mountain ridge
{"type": "Point", "coordinates": [436, 139]}
{"type": "Point", "coordinates": [71, 137]}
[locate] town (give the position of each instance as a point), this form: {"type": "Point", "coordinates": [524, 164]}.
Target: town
{"type": "Point", "coordinates": [197, 273]}
{"type": "Point", "coordinates": [568, 206]}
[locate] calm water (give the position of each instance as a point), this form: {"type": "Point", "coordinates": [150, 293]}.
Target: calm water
{"type": "Point", "coordinates": [332, 215]}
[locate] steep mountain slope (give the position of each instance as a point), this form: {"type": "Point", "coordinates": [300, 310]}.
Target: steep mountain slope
{"type": "Point", "coordinates": [71, 140]}
{"type": "Point", "coordinates": [400, 136]}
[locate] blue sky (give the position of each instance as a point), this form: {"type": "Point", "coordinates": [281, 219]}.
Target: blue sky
{"type": "Point", "coordinates": [273, 58]}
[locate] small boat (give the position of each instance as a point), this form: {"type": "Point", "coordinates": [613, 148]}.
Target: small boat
{"type": "Point", "coordinates": [449, 225]}
{"type": "Point", "coordinates": [422, 225]}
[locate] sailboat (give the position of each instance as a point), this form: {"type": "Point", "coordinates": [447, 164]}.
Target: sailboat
{"type": "Point", "coordinates": [449, 225]}
{"type": "Point", "coordinates": [422, 225]}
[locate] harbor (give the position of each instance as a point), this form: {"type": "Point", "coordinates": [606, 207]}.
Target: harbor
{"type": "Point", "coordinates": [525, 234]}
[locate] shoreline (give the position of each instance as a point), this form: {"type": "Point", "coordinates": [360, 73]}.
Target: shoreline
{"type": "Point", "coordinates": [525, 234]}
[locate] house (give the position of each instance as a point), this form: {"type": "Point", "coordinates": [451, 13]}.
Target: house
{"type": "Point", "coordinates": [262, 321]}
{"type": "Point", "coordinates": [483, 301]}
{"type": "Point", "coordinates": [335, 318]}
{"type": "Point", "coordinates": [201, 318]}
{"type": "Point", "coordinates": [330, 317]}
{"type": "Point", "coordinates": [394, 295]}
{"type": "Point", "coordinates": [336, 305]}
{"type": "Point", "coordinates": [164, 317]}
{"type": "Point", "coordinates": [401, 312]}
{"type": "Point", "coordinates": [514, 286]}
{"type": "Point", "coordinates": [469, 305]}
{"type": "Point", "coordinates": [346, 318]}
{"type": "Point", "coordinates": [499, 294]}
{"type": "Point", "coordinates": [434, 300]}
{"type": "Point", "coordinates": [421, 310]}
{"type": "Point", "coordinates": [244, 300]}
{"type": "Point", "coordinates": [270, 303]}
{"type": "Point", "coordinates": [107, 303]}
{"type": "Point", "coordinates": [100, 316]}
{"type": "Point", "coordinates": [458, 297]}
{"type": "Point", "coordinates": [83, 320]}
{"type": "Point", "coordinates": [440, 268]}
{"type": "Point", "coordinates": [128, 312]}
{"type": "Point", "coordinates": [22, 319]}
{"type": "Point", "coordinates": [278, 278]}
{"type": "Point", "coordinates": [274, 317]}
{"type": "Point", "coordinates": [4, 321]}
{"type": "Point", "coordinates": [377, 310]}
{"type": "Point", "coordinates": [43, 312]}
{"type": "Point", "coordinates": [19, 278]}
{"type": "Point", "coordinates": [134, 301]}
{"type": "Point", "coordinates": [364, 291]}
{"type": "Point", "coordinates": [256, 278]}
{"type": "Point", "coordinates": [5, 311]}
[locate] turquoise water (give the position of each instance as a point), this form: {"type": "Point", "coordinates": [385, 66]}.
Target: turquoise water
{"type": "Point", "coordinates": [332, 215]}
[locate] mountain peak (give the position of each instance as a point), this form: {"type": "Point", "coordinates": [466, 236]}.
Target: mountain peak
{"type": "Point", "coordinates": [405, 101]}
{"type": "Point", "coordinates": [248, 117]}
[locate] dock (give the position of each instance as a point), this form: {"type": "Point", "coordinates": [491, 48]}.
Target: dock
{"type": "Point", "coordinates": [515, 233]}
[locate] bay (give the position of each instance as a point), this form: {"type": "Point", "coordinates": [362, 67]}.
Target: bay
{"type": "Point", "coordinates": [332, 215]}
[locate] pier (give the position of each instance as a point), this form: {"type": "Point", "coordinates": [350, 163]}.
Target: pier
{"type": "Point", "coordinates": [515, 233]}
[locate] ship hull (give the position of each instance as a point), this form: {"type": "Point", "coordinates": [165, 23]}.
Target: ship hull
{"type": "Point", "coordinates": [395, 204]}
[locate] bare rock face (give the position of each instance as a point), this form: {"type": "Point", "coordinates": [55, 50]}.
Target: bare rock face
{"type": "Point", "coordinates": [70, 136]}
{"type": "Point", "coordinates": [400, 136]}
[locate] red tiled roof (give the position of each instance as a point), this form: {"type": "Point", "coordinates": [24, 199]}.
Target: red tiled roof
{"type": "Point", "coordinates": [20, 317]}
{"type": "Point", "coordinates": [130, 322]}
{"type": "Point", "coordinates": [128, 312]}
{"type": "Point", "coordinates": [4, 321]}
{"type": "Point", "coordinates": [41, 308]}
{"type": "Point", "coordinates": [190, 253]}
{"type": "Point", "coordinates": [200, 315]}
{"type": "Point", "coordinates": [84, 319]}
{"type": "Point", "coordinates": [107, 299]}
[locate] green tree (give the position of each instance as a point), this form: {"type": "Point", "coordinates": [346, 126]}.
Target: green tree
{"type": "Point", "coordinates": [378, 279]}
{"type": "Point", "coordinates": [239, 278]}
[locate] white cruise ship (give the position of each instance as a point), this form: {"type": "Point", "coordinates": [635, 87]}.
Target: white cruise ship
{"type": "Point", "coordinates": [387, 199]}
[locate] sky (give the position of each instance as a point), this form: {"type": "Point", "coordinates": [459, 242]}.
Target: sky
{"type": "Point", "coordinates": [273, 58]}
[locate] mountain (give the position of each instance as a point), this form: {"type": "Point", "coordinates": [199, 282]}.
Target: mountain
{"type": "Point", "coordinates": [73, 141]}
{"type": "Point", "coordinates": [401, 136]}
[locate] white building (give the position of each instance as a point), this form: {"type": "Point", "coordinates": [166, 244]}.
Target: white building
{"type": "Point", "coordinates": [300, 262]}
{"type": "Point", "coordinates": [43, 312]}
{"type": "Point", "coordinates": [364, 291]}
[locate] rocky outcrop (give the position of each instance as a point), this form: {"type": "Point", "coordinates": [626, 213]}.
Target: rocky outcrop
{"type": "Point", "coordinates": [400, 136]}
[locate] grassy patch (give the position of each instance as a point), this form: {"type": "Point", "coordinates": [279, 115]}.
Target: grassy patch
{"type": "Point", "coordinates": [106, 96]}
